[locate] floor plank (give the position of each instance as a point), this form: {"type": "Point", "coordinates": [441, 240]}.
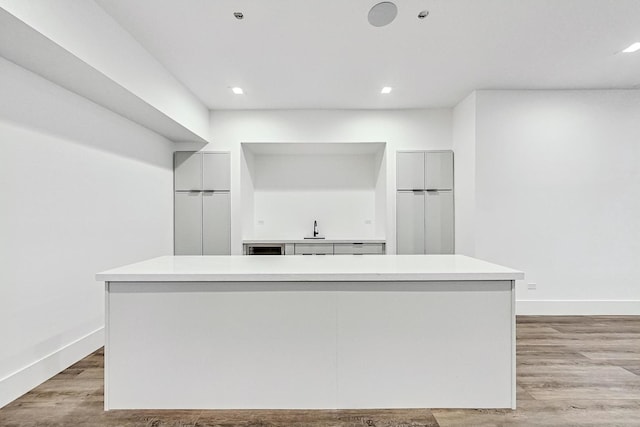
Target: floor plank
{"type": "Point", "coordinates": [571, 371]}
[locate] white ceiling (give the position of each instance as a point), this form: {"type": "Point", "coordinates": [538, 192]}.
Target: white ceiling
{"type": "Point", "coordinates": [324, 54]}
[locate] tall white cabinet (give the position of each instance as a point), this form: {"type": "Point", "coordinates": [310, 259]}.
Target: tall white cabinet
{"type": "Point", "coordinates": [424, 202]}
{"type": "Point", "coordinates": [202, 203]}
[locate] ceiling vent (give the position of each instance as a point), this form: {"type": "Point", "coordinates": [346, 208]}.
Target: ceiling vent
{"type": "Point", "coordinates": [382, 14]}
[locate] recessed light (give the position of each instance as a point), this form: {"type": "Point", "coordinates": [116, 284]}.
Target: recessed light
{"type": "Point", "coordinates": [386, 89]}
{"type": "Point", "coordinates": [237, 90]}
{"type": "Point", "coordinates": [238, 15]}
{"type": "Point", "coordinates": [633, 48]}
{"type": "Point", "coordinates": [423, 14]}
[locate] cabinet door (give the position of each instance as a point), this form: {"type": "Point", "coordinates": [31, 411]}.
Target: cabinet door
{"type": "Point", "coordinates": [358, 249]}
{"type": "Point", "coordinates": [314, 249]}
{"type": "Point", "coordinates": [216, 223]}
{"type": "Point", "coordinates": [187, 170]}
{"type": "Point", "coordinates": [439, 222]}
{"type": "Point", "coordinates": [187, 231]}
{"type": "Point", "coordinates": [439, 171]}
{"type": "Point", "coordinates": [216, 171]}
{"type": "Point", "coordinates": [410, 222]}
{"type": "Point", "coordinates": [410, 171]}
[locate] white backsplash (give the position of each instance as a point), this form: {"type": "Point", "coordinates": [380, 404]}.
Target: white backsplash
{"type": "Point", "coordinates": [341, 214]}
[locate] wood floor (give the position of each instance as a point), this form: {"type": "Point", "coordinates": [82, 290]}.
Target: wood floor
{"type": "Point", "coordinates": [572, 371]}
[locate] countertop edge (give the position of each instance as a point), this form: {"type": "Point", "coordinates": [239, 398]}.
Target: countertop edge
{"type": "Point", "coordinates": [309, 277]}
{"type": "Point", "coordinates": [301, 241]}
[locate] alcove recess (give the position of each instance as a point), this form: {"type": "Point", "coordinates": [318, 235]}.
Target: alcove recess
{"type": "Point", "coordinates": [286, 186]}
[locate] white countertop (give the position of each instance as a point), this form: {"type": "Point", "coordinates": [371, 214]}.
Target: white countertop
{"type": "Point", "coordinates": [298, 241]}
{"type": "Point", "coordinates": [363, 268]}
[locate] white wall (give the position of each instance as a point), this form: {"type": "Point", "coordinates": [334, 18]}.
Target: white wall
{"type": "Point", "coordinates": [91, 34]}
{"type": "Point", "coordinates": [83, 190]}
{"type": "Point", "coordinates": [557, 196]}
{"type": "Point", "coordinates": [294, 190]}
{"type": "Point", "coordinates": [400, 129]}
{"type": "Point", "coordinates": [464, 148]}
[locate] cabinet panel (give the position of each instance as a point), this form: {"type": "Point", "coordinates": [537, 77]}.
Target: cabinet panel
{"type": "Point", "coordinates": [358, 248]}
{"type": "Point", "coordinates": [410, 222]}
{"type": "Point", "coordinates": [313, 249]}
{"type": "Point", "coordinates": [188, 223]}
{"type": "Point", "coordinates": [439, 171]}
{"type": "Point", "coordinates": [439, 219]}
{"type": "Point", "coordinates": [187, 170]}
{"type": "Point", "coordinates": [409, 171]}
{"type": "Point", "coordinates": [216, 171]}
{"type": "Point", "coordinates": [216, 223]}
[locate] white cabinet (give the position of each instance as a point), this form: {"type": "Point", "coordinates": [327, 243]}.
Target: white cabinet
{"type": "Point", "coordinates": [319, 248]}
{"type": "Point", "coordinates": [424, 170]}
{"type": "Point", "coordinates": [216, 221]}
{"type": "Point", "coordinates": [358, 248]}
{"type": "Point", "coordinates": [216, 172]}
{"type": "Point", "coordinates": [410, 170]}
{"type": "Point", "coordinates": [438, 220]}
{"type": "Point", "coordinates": [187, 171]}
{"type": "Point", "coordinates": [202, 206]}
{"type": "Point", "coordinates": [438, 170]}
{"type": "Point", "coordinates": [199, 171]}
{"type": "Point", "coordinates": [425, 213]}
{"type": "Point", "coordinates": [187, 223]}
{"type": "Point", "coordinates": [410, 222]}
{"type": "Point", "coordinates": [313, 249]}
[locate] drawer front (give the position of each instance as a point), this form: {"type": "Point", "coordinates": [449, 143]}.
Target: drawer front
{"type": "Point", "coordinates": [313, 249]}
{"type": "Point", "coordinates": [358, 249]}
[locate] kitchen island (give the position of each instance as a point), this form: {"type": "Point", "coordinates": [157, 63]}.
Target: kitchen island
{"type": "Point", "coordinates": [394, 331]}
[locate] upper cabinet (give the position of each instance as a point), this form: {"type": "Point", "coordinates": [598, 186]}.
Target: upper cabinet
{"type": "Point", "coordinates": [410, 170]}
{"type": "Point", "coordinates": [438, 170]}
{"type": "Point", "coordinates": [196, 171]}
{"type": "Point", "coordinates": [424, 170]}
{"type": "Point", "coordinates": [216, 171]}
{"type": "Point", "coordinates": [187, 171]}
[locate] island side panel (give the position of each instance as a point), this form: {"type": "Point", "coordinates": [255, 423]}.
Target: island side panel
{"type": "Point", "coordinates": [426, 345]}
{"type": "Point", "coordinates": [222, 346]}
{"type": "Point", "coordinates": [309, 345]}
{"type": "Point", "coordinates": [513, 345]}
{"type": "Point", "coordinates": [106, 346]}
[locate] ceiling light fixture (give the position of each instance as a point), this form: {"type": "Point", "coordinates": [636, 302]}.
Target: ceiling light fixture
{"type": "Point", "coordinates": [633, 48]}
{"type": "Point", "coordinates": [237, 90]}
{"type": "Point", "coordinates": [238, 15]}
{"type": "Point", "coordinates": [423, 14]}
{"type": "Point", "coordinates": [382, 14]}
{"type": "Point", "coordinates": [386, 89]}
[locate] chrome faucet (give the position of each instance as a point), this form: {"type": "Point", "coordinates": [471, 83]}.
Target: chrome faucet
{"type": "Point", "coordinates": [315, 228]}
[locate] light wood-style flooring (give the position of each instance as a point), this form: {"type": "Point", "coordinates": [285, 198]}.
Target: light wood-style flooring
{"type": "Point", "coordinates": [571, 371]}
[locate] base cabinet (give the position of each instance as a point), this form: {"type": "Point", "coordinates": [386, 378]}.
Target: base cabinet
{"type": "Point", "coordinates": [216, 217]}
{"type": "Point", "coordinates": [187, 223]}
{"type": "Point", "coordinates": [358, 249]}
{"type": "Point", "coordinates": [424, 222]}
{"type": "Point", "coordinates": [438, 222]}
{"type": "Point", "coordinates": [410, 222]}
{"type": "Point", "coordinates": [345, 248]}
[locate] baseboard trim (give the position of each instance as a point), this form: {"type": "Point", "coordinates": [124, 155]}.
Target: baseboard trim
{"type": "Point", "coordinates": [577, 307]}
{"type": "Point", "coordinates": [18, 383]}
